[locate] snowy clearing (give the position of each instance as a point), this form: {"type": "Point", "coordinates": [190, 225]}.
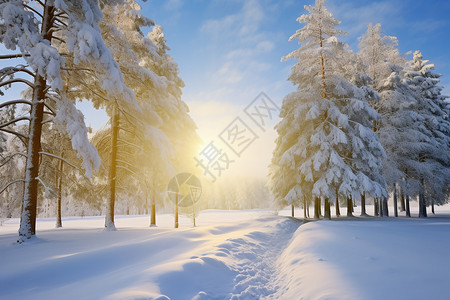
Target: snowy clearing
{"type": "Point", "coordinates": [232, 255]}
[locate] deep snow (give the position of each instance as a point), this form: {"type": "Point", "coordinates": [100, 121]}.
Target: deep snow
{"type": "Point", "coordinates": [231, 255]}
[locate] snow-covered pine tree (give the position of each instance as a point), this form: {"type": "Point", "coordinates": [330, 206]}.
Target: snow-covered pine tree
{"type": "Point", "coordinates": [399, 128]}
{"type": "Point", "coordinates": [325, 124]}
{"type": "Point", "coordinates": [434, 155]}
{"type": "Point", "coordinates": [34, 28]}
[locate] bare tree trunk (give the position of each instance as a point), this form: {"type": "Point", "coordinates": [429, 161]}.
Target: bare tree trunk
{"type": "Point", "coordinates": [153, 214]}
{"type": "Point", "coordinates": [380, 207]}
{"type": "Point", "coordinates": [408, 211]}
{"type": "Point", "coordinates": [304, 207]}
{"type": "Point", "coordinates": [29, 205]}
{"type": "Point", "coordinates": [349, 207]}
{"type": "Point", "coordinates": [319, 206]}
{"type": "Point", "coordinates": [327, 209]}
{"type": "Point", "coordinates": [395, 201]}
{"type": "Point", "coordinates": [308, 205]}
{"type": "Point", "coordinates": [316, 208]}
{"type": "Point", "coordinates": [363, 204]}
{"type": "Point", "coordinates": [402, 201]}
{"type": "Point", "coordinates": [292, 209]}
{"type": "Point", "coordinates": [338, 212]}
{"type": "Point", "coordinates": [60, 179]}
{"type": "Point", "coordinates": [432, 206]}
{"type": "Point", "coordinates": [109, 219]}
{"type": "Point", "coordinates": [375, 207]}
{"type": "Point", "coordinates": [385, 207]}
{"type": "Point", "coordinates": [176, 210]}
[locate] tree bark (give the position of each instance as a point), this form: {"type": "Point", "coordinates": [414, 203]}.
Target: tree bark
{"type": "Point", "coordinates": [408, 211]}
{"type": "Point", "coordinates": [60, 179]}
{"type": "Point", "coordinates": [432, 206]}
{"type": "Point", "coordinates": [402, 201]}
{"type": "Point", "coordinates": [349, 207]}
{"type": "Point", "coordinates": [375, 207]}
{"type": "Point", "coordinates": [316, 208]}
{"type": "Point", "coordinates": [319, 206]}
{"type": "Point", "coordinates": [363, 205]}
{"type": "Point", "coordinates": [338, 212]}
{"type": "Point", "coordinates": [304, 207]}
{"type": "Point", "coordinates": [109, 219]}
{"type": "Point", "coordinates": [395, 201]}
{"type": "Point", "coordinates": [327, 209]}
{"type": "Point", "coordinates": [292, 209]}
{"type": "Point", "coordinates": [29, 205]}
{"type": "Point", "coordinates": [385, 207]}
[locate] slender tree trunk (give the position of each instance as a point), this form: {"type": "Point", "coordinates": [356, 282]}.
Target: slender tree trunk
{"type": "Point", "coordinates": [193, 214]}
{"type": "Point", "coordinates": [316, 208]}
{"type": "Point", "coordinates": [304, 207]}
{"type": "Point", "coordinates": [402, 201]}
{"type": "Point", "coordinates": [432, 206]}
{"type": "Point", "coordinates": [408, 211]}
{"type": "Point", "coordinates": [375, 207]}
{"type": "Point", "coordinates": [327, 209]}
{"type": "Point", "coordinates": [338, 212]}
{"type": "Point", "coordinates": [153, 214]}
{"type": "Point", "coordinates": [109, 219]}
{"type": "Point", "coordinates": [363, 204]}
{"type": "Point", "coordinates": [29, 205]}
{"type": "Point", "coordinates": [176, 210]}
{"type": "Point", "coordinates": [60, 179]}
{"type": "Point", "coordinates": [380, 206]}
{"type": "Point", "coordinates": [349, 207]}
{"type": "Point", "coordinates": [395, 201]}
{"type": "Point", "coordinates": [292, 209]}
{"type": "Point", "coordinates": [319, 206]}
{"type": "Point", "coordinates": [308, 203]}
{"type": "Point", "coordinates": [385, 207]}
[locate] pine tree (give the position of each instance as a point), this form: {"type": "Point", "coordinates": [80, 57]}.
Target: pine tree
{"type": "Point", "coordinates": [41, 31]}
{"type": "Point", "coordinates": [325, 129]}
{"type": "Point", "coordinates": [434, 154]}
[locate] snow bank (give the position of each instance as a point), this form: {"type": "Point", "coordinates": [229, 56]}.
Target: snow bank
{"type": "Point", "coordinates": [388, 259]}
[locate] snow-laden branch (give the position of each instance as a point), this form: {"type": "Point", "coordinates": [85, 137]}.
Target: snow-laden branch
{"type": "Point", "coordinates": [125, 162]}
{"type": "Point", "coordinates": [48, 190]}
{"type": "Point", "coordinates": [11, 70]}
{"type": "Point", "coordinates": [12, 102]}
{"type": "Point", "coordinates": [128, 170]}
{"type": "Point", "coordinates": [131, 144]}
{"type": "Point", "coordinates": [15, 121]}
{"type": "Point", "coordinates": [7, 159]}
{"type": "Point", "coordinates": [17, 80]}
{"type": "Point", "coordinates": [12, 182]}
{"type": "Point", "coordinates": [60, 158]}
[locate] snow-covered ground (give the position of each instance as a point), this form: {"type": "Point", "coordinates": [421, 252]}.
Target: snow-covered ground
{"type": "Point", "coordinates": [231, 255]}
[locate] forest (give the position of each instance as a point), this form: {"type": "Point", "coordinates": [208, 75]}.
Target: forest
{"type": "Point", "coordinates": [362, 127]}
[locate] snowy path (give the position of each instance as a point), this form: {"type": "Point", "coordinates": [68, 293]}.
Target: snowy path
{"type": "Point", "coordinates": [234, 259]}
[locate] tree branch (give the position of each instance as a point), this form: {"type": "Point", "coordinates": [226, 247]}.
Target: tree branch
{"type": "Point", "coordinates": [60, 158]}
{"type": "Point", "coordinates": [12, 102]}
{"type": "Point", "coordinates": [14, 121]}
{"type": "Point", "coordinates": [9, 56]}
{"type": "Point", "coordinates": [17, 80]}
{"type": "Point", "coordinates": [12, 182]}
{"type": "Point", "coordinates": [22, 137]}
{"type": "Point", "coordinates": [11, 157]}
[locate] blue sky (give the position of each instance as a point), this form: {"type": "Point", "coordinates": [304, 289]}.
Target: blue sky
{"type": "Point", "coordinates": [230, 50]}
